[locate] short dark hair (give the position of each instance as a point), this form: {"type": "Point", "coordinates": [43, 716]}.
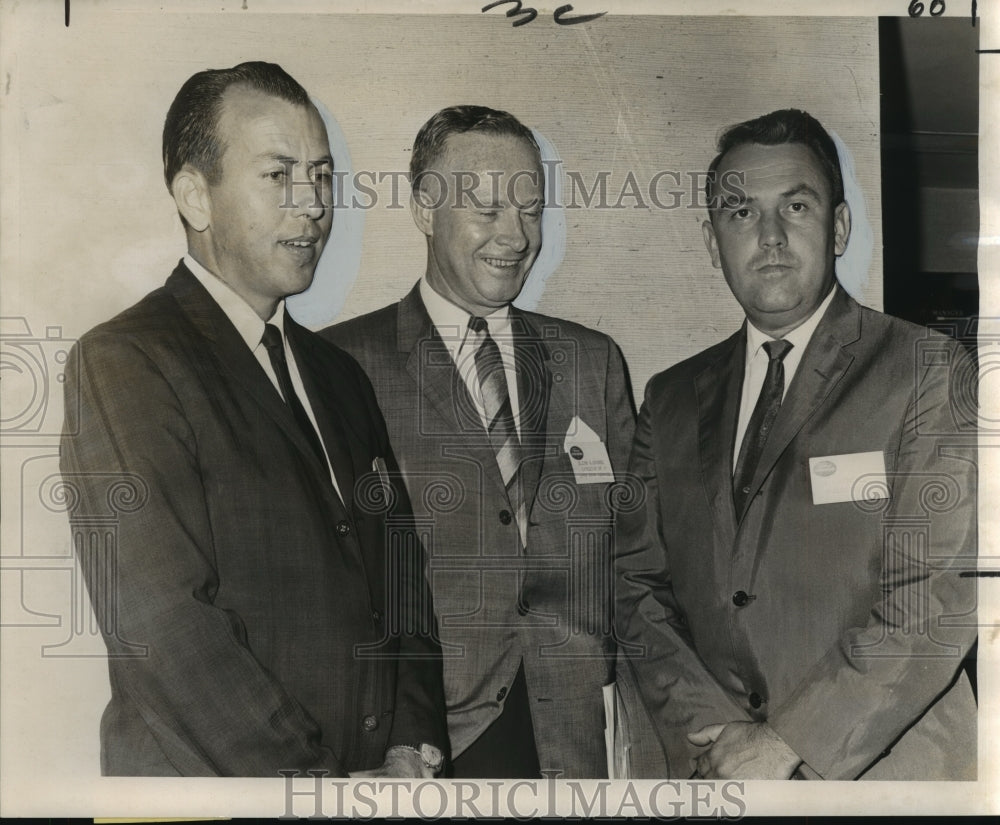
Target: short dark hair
{"type": "Point", "coordinates": [454, 120]}
{"type": "Point", "coordinates": [782, 126]}
{"type": "Point", "coordinates": [191, 130]}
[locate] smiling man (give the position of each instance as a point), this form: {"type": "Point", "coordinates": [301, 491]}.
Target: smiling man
{"type": "Point", "coordinates": [253, 604]}
{"type": "Point", "coordinates": [510, 428]}
{"type": "Point", "coordinates": [797, 586]}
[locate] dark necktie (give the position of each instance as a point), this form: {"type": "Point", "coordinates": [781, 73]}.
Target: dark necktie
{"type": "Point", "coordinates": [761, 421]}
{"type": "Point", "coordinates": [500, 417]}
{"type": "Point", "coordinates": [272, 340]}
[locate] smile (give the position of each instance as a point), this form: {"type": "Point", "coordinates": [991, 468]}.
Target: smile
{"type": "Point", "coordinates": [298, 244]}
{"type": "Point", "coordinates": [500, 263]}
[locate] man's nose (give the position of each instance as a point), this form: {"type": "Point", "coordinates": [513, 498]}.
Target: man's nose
{"type": "Point", "coordinates": [311, 196]}
{"type": "Point", "coordinates": [772, 231]}
{"type": "Point", "coordinates": [511, 228]}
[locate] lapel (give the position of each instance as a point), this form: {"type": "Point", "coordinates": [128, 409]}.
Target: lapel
{"type": "Point", "coordinates": [717, 389]}
{"type": "Point", "coordinates": [822, 366]}
{"type": "Point", "coordinates": [436, 377]}
{"type": "Point", "coordinates": [534, 393]}
{"type": "Point", "coordinates": [324, 384]}
{"type": "Point", "coordinates": [431, 367]}
{"type": "Point", "coordinates": [233, 357]}
{"type": "Point", "coordinates": [433, 371]}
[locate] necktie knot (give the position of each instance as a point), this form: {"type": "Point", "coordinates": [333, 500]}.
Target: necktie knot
{"type": "Point", "coordinates": [777, 350]}
{"type": "Point", "coordinates": [478, 324]}
{"type": "Point", "coordinates": [271, 339]}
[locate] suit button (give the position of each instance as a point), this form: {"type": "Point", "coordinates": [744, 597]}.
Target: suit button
{"type": "Point", "coordinates": [746, 491]}
{"type": "Point", "coordinates": [755, 700]}
{"type": "Point", "coordinates": [343, 528]}
{"type": "Point", "coordinates": [377, 616]}
{"type": "Point", "coordinates": [501, 694]}
{"type": "Point", "coordinates": [369, 723]}
{"type": "Point", "coordinates": [505, 517]}
{"type": "Point", "coordinates": [740, 598]}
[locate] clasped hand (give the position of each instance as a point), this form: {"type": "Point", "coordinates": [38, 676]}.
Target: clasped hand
{"type": "Point", "coordinates": [400, 763]}
{"type": "Point", "coordinates": [743, 750]}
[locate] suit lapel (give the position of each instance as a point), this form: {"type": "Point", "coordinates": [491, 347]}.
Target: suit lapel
{"type": "Point", "coordinates": [234, 358]}
{"type": "Point", "coordinates": [432, 368]}
{"type": "Point", "coordinates": [717, 389]}
{"type": "Point", "coordinates": [321, 382]}
{"type": "Point", "coordinates": [822, 366]}
{"type": "Point", "coordinates": [534, 393]}
{"type": "Point", "coordinates": [231, 351]}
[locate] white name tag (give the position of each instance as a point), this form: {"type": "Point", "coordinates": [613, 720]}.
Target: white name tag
{"type": "Point", "coordinates": [587, 454]}
{"type": "Point", "coordinates": [848, 477]}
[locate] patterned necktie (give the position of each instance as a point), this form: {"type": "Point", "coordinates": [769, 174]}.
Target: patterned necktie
{"type": "Point", "coordinates": [272, 341]}
{"type": "Point", "coordinates": [500, 418]}
{"type": "Point", "coordinates": [759, 426]}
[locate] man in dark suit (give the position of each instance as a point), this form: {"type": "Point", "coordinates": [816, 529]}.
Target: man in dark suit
{"type": "Point", "coordinates": [799, 578]}
{"type": "Point", "coordinates": [257, 607]}
{"type": "Point", "coordinates": [510, 428]}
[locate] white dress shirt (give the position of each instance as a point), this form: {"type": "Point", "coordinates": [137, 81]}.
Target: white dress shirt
{"type": "Point", "coordinates": [452, 324]}
{"type": "Point", "coordinates": [251, 329]}
{"type": "Point", "coordinates": [755, 369]}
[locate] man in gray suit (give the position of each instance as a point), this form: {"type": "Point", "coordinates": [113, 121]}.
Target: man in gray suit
{"type": "Point", "coordinates": [258, 606]}
{"type": "Point", "coordinates": [511, 429]}
{"type": "Point", "coordinates": [799, 587]}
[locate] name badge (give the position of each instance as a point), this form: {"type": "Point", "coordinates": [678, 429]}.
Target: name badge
{"type": "Point", "coordinates": [587, 454]}
{"type": "Point", "coordinates": [848, 477]}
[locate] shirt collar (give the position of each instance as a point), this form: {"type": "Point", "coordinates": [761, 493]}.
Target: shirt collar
{"type": "Point", "coordinates": [238, 311]}
{"type": "Point", "coordinates": [798, 337]}
{"type": "Point", "coordinates": [452, 322]}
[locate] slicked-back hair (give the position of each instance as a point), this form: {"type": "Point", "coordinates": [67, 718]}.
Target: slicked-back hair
{"type": "Point", "coordinates": [191, 130]}
{"type": "Point", "coordinates": [455, 120]}
{"type": "Point", "coordinates": [782, 126]}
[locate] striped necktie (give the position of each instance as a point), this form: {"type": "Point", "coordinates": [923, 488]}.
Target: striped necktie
{"type": "Point", "coordinates": [500, 418]}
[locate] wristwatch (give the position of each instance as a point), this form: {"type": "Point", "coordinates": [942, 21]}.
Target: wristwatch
{"type": "Point", "coordinates": [431, 756]}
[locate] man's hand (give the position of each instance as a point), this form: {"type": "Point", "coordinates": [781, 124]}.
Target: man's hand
{"type": "Point", "coordinates": [400, 763]}
{"type": "Point", "coordinates": [743, 750]}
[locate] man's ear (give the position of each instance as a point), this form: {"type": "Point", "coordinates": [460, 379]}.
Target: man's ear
{"type": "Point", "coordinates": [190, 191]}
{"type": "Point", "coordinates": [711, 243]}
{"type": "Point", "coordinates": [841, 228]}
{"type": "Point", "coordinates": [422, 211]}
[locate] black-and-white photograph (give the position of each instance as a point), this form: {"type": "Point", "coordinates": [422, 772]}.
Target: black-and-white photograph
{"type": "Point", "coordinates": [486, 409]}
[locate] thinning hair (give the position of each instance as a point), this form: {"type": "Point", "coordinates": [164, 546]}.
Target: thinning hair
{"type": "Point", "coordinates": [781, 126]}
{"type": "Point", "coordinates": [191, 130]}
{"type": "Point", "coordinates": [433, 136]}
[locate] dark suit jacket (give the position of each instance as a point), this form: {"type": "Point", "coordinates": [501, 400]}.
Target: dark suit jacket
{"type": "Point", "coordinates": [551, 603]}
{"type": "Point", "coordinates": [857, 615]}
{"type": "Point", "coordinates": [252, 622]}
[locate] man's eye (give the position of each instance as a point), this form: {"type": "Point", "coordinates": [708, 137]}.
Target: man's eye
{"type": "Point", "coordinates": [533, 214]}
{"type": "Point", "coordinates": [741, 213]}
{"type": "Point", "coordinates": [798, 206]}
{"type": "Point", "coordinates": [487, 213]}
{"type": "Point", "coordinates": [276, 174]}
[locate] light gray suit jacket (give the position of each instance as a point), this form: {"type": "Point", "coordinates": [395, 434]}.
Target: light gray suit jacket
{"type": "Point", "coordinates": [549, 605]}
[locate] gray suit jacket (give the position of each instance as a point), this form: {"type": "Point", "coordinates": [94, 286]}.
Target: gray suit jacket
{"type": "Point", "coordinates": [843, 625]}
{"type": "Point", "coordinates": [254, 623]}
{"type": "Point", "coordinates": [551, 604]}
